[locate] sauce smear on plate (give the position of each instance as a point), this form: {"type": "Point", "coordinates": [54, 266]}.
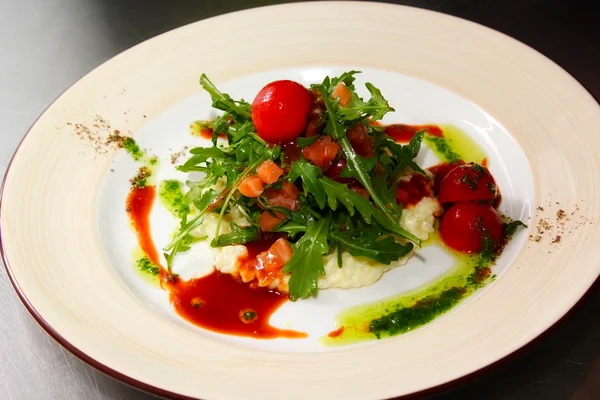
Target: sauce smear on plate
{"type": "Point", "coordinates": [216, 302]}
{"type": "Point", "coordinates": [403, 133]}
{"type": "Point", "coordinates": [139, 203]}
{"type": "Point", "coordinates": [220, 303]}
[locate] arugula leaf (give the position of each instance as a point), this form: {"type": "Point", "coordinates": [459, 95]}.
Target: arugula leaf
{"type": "Point", "coordinates": [405, 154]}
{"type": "Point", "coordinates": [231, 190]}
{"type": "Point", "coordinates": [181, 242]}
{"type": "Point", "coordinates": [380, 184]}
{"type": "Point", "coordinates": [238, 235]}
{"type": "Point", "coordinates": [200, 155]}
{"type": "Point", "coordinates": [511, 227]}
{"type": "Point", "coordinates": [359, 172]}
{"type": "Point", "coordinates": [310, 179]}
{"type": "Point", "coordinates": [366, 241]}
{"type": "Point", "coordinates": [357, 109]}
{"type": "Point", "coordinates": [203, 201]}
{"type": "Point", "coordinates": [303, 142]}
{"type": "Point", "coordinates": [347, 78]}
{"type": "Point", "coordinates": [292, 228]}
{"type": "Point", "coordinates": [367, 164]}
{"type": "Point", "coordinates": [223, 101]}
{"type": "Point", "coordinates": [306, 263]}
{"type": "Point", "coordinates": [340, 193]}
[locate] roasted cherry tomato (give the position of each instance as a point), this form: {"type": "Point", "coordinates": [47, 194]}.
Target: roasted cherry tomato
{"type": "Point", "coordinates": [471, 227]}
{"type": "Point", "coordinates": [467, 182]}
{"type": "Point", "coordinates": [280, 111]}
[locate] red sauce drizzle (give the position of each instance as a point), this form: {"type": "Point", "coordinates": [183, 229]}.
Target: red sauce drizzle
{"type": "Point", "coordinates": [403, 133]}
{"type": "Point", "coordinates": [139, 204]}
{"type": "Point", "coordinates": [220, 303]}
{"type": "Point", "coordinates": [336, 333]}
{"type": "Point", "coordinates": [206, 133]}
{"type": "Point", "coordinates": [220, 300]}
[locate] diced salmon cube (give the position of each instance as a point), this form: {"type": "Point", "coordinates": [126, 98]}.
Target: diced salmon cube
{"type": "Point", "coordinates": [342, 93]}
{"type": "Point", "coordinates": [322, 152]}
{"type": "Point", "coordinates": [269, 172]}
{"type": "Point", "coordinates": [280, 251]}
{"type": "Point", "coordinates": [267, 221]}
{"type": "Point", "coordinates": [251, 186]}
{"type": "Point", "coordinates": [286, 197]}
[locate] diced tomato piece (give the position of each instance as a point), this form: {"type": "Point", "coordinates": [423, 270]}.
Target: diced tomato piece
{"type": "Point", "coordinates": [286, 197]}
{"type": "Point", "coordinates": [412, 191]}
{"type": "Point", "coordinates": [322, 152]}
{"type": "Point", "coordinates": [360, 140]}
{"type": "Point", "coordinates": [342, 93]}
{"type": "Point", "coordinates": [251, 186]}
{"type": "Point", "coordinates": [269, 172]}
{"type": "Point", "coordinates": [267, 221]}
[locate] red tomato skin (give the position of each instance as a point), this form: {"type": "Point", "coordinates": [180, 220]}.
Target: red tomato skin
{"type": "Point", "coordinates": [280, 111]}
{"type": "Point", "coordinates": [468, 182]}
{"type": "Point", "coordinates": [465, 225]}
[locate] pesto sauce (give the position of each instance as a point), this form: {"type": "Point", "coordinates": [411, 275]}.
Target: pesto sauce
{"type": "Point", "coordinates": [145, 268]}
{"type": "Point", "coordinates": [145, 174]}
{"type": "Point", "coordinates": [415, 308]}
{"type": "Point", "coordinates": [172, 197]}
{"type": "Point", "coordinates": [455, 145]}
{"type": "Point", "coordinates": [133, 149]}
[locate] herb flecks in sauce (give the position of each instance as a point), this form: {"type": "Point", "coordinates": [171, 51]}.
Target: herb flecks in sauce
{"type": "Point", "coordinates": [415, 308]}
{"type": "Point", "coordinates": [146, 266]}
{"type": "Point", "coordinates": [424, 311]}
{"type": "Point", "coordinates": [455, 145]}
{"type": "Point", "coordinates": [172, 198]}
{"type": "Point", "coordinates": [141, 179]}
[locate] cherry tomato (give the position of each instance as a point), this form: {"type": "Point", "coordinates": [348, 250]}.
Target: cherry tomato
{"type": "Point", "coordinates": [471, 227]}
{"type": "Point", "coordinates": [467, 182]}
{"type": "Point", "coordinates": [280, 111]}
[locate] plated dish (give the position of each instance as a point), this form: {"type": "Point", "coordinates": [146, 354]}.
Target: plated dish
{"type": "Point", "coordinates": [305, 189]}
{"type": "Point", "coordinates": [72, 255]}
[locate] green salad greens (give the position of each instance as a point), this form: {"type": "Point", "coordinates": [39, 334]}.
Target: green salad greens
{"type": "Point", "coordinates": [330, 216]}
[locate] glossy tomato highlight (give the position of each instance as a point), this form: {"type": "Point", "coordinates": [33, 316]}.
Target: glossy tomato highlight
{"type": "Point", "coordinates": [471, 227]}
{"type": "Point", "coordinates": [468, 182]}
{"type": "Point", "coordinates": [280, 111]}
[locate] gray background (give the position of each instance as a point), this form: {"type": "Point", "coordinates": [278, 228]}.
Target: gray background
{"type": "Point", "coordinates": [46, 45]}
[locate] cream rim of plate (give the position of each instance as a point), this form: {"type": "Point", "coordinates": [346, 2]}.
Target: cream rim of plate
{"type": "Point", "coordinates": [55, 261]}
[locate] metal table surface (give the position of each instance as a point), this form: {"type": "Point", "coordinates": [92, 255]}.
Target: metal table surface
{"type": "Point", "coordinates": [46, 45]}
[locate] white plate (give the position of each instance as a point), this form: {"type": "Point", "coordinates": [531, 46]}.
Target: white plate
{"type": "Point", "coordinates": [68, 250]}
